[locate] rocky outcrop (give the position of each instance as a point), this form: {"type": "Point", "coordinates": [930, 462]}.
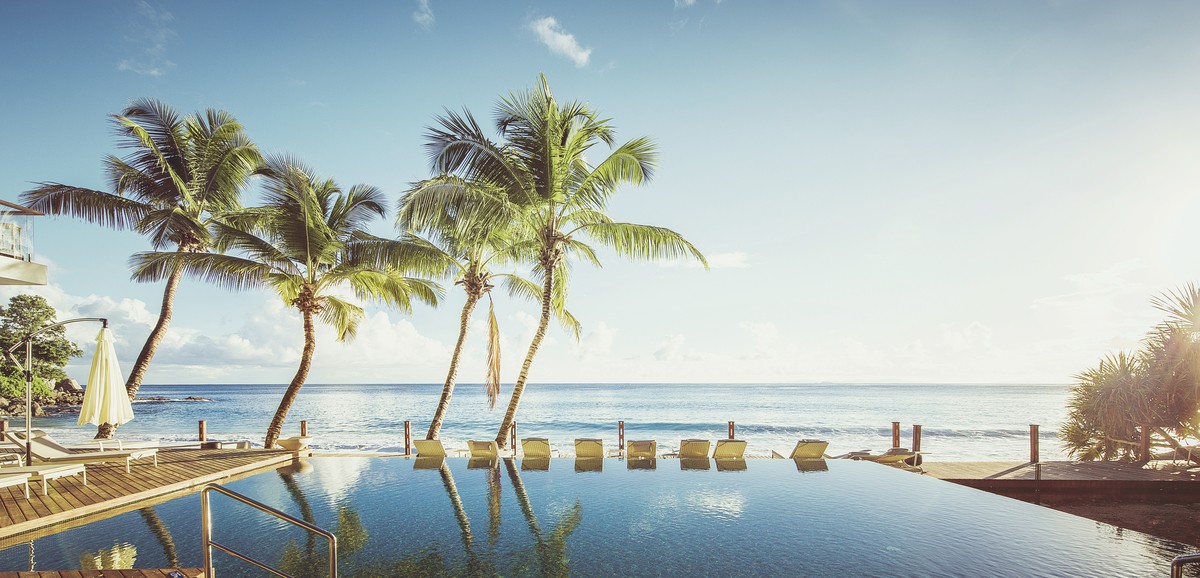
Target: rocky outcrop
{"type": "Point", "coordinates": [68, 385]}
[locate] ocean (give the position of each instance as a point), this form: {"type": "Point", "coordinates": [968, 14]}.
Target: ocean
{"type": "Point", "coordinates": [959, 422]}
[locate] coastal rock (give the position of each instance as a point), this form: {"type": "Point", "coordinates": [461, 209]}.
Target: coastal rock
{"type": "Point", "coordinates": [68, 385]}
{"type": "Point", "coordinates": [196, 398]}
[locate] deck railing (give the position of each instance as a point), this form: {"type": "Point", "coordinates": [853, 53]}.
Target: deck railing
{"type": "Point", "coordinates": [209, 544]}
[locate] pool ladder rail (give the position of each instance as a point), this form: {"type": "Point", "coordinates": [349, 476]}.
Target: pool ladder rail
{"type": "Point", "coordinates": [209, 544]}
{"type": "Point", "coordinates": [1180, 561]}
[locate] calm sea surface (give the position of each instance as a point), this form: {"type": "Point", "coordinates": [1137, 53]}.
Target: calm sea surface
{"type": "Point", "coordinates": [960, 422]}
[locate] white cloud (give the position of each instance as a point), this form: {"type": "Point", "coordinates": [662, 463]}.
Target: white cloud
{"type": "Point", "coordinates": [560, 41]}
{"type": "Point", "coordinates": [596, 343]}
{"type": "Point", "coordinates": [684, 3]}
{"type": "Point", "coordinates": [670, 348]}
{"type": "Point", "coordinates": [423, 15]}
{"type": "Point", "coordinates": [150, 35]}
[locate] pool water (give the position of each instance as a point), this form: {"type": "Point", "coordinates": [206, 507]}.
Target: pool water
{"type": "Point", "coordinates": [667, 517]}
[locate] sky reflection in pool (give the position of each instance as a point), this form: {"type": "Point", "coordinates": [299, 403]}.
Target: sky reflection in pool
{"type": "Point", "coordinates": [771, 519]}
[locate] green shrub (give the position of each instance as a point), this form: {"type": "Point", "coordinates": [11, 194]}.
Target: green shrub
{"type": "Point", "coordinates": [13, 387]}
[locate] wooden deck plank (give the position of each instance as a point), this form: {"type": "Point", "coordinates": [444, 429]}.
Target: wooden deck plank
{"type": "Point", "coordinates": [109, 487]}
{"type": "Point", "coordinates": [1071, 480]}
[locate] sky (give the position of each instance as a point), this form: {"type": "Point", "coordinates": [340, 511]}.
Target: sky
{"type": "Point", "coordinates": [940, 192]}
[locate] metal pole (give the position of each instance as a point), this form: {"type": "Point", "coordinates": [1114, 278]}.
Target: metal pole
{"type": "Point", "coordinates": [1033, 444]}
{"type": "Point", "coordinates": [206, 526]}
{"type": "Point", "coordinates": [621, 436]}
{"type": "Point", "coordinates": [29, 401]}
{"type": "Point", "coordinates": [513, 438]}
{"type": "Point", "coordinates": [407, 437]}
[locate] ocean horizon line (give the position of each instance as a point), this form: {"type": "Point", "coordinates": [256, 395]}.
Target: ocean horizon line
{"type": "Point", "coordinates": [644, 383]}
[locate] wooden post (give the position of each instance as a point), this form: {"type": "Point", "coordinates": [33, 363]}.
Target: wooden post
{"type": "Point", "coordinates": [3, 425]}
{"type": "Point", "coordinates": [916, 438]}
{"type": "Point", "coordinates": [1033, 444]}
{"type": "Point", "coordinates": [513, 437]}
{"type": "Point", "coordinates": [203, 430]}
{"type": "Point", "coordinates": [621, 436]}
{"type": "Point", "coordinates": [731, 428]}
{"type": "Point", "coordinates": [895, 434]}
{"type": "Point", "coordinates": [303, 428]}
{"type": "Point", "coordinates": [407, 437]}
{"type": "Point", "coordinates": [1144, 447]}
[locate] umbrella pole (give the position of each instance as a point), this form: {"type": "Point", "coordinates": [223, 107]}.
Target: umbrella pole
{"type": "Point", "coordinates": [29, 402]}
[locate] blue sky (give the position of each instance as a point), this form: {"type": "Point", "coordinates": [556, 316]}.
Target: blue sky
{"type": "Point", "coordinates": [918, 191]}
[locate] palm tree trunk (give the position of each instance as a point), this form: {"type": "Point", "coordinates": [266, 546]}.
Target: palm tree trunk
{"type": "Point", "coordinates": [162, 533]}
{"type": "Point", "coordinates": [293, 390]}
{"type": "Point", "coordinates": [106, 430]}
{"type": "Point", "coordinates": [519, 387]}
{"type": "Point", "coordinates": [448, 387]}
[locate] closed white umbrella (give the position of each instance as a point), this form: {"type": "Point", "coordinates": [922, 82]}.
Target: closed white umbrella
{"type": "Point", "coordinates": [105, 400]}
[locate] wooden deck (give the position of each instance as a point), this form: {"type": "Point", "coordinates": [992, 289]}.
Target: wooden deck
{"type": "Point", "coordinates": [111, 491]}
{"type": "Point", "coordinates": [1071, 480]}
{"type": "Point", "coordinates": [138, 573]}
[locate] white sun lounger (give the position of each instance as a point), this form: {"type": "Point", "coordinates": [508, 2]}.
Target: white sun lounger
{"type": "Point", "coordinates": [15, 479]}
{"type": "Point", "coordinates": [45, 449]}
{"type": "Point", "coordinates": [46, 472]}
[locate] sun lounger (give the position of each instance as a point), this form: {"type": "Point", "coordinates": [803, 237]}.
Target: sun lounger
{"type": "Point", "coordinates": [487, 449]}
{"type": "Point", "coordinates": [15, 479]}
{"type": "Point", "coordinates": [729, 449]}
{"type": "Point", "coordinates": [45, 449]}
{"type": "Point", "coordinates": [589, 464]}
{"type": "Point", "coordinates": [483, 463]}
{"type": "Point", "coordinates": [428, 462]}
{"type": "Point", "coordinates": [731, 464]}
{"type": "Point", "coordinates": [811, 465]}
{"type": "Point", "coordinates": [536, 463]}
{"type": "Point", "coordinates": [638, 449]}
{"type": "Point", "coordinates": [809, 450]}
{"type": "Point", "coordinates": [641, 463]}
{"type": "Point", "coordinates": [46, 472]}
{"type": "Point", "coordinates": [891, 457]}
{"type": "Point", "coordinates": [430, 448]}
{"type": "Point", "coordinates": [693, 448]}
{"type": "Point", "coordinates": [589, 448]}
{"type": "Point", "coordinates": [700, 463]}
{"type": "Point", "coordinates": [535, 447]}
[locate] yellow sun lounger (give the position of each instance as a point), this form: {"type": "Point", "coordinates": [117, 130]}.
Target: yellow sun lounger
{"type": "Point", "coordinates": [535, 447]}
{"type": "Point", "coordinates": [809, 450]}
{"type": "Point", "coordinates": [693, 448]}
{"type": "Point", "coordinates": [429, 448]}
{"type": "Point", "coordinates": [589, 448]}
{"type": "Point", "coordinates": [640, 449]}
{"type": "Point", "coordinates": [487, 449]}
{"type": "Point", "coordinates": [729, 449]}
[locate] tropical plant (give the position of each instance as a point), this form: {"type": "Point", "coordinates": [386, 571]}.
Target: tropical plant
{"type": "Point", "coordinates": [181, 172]}
{"type": "Point", "coordinates": [541, 165]}
{"type": "Point", "coordinates": [306, 242]}
{"type": "Point", "coordinates": [471, 225]}
{"type": "Point", "coordinates": [1151, 395]}
{"type": "Point", "coordinates": [25, 315]}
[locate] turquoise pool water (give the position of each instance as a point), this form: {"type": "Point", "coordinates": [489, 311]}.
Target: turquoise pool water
{"type": "Point", "coordinates": [400, 517]}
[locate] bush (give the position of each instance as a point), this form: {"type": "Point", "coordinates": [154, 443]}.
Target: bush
{"type": "Point", "coordinates": [13, 387]}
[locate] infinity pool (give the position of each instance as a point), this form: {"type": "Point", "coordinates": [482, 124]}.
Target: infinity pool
{"type": "Point", "coordinates": [401, 517]}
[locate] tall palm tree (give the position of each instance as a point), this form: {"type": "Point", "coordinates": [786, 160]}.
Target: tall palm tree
{"type": "Point", "coordinates": [471, 225]}
{"type": "Point", "coordinates": [181, 172]}
{"type": "Point", "coordinates": [304, 243]}
{"type": "Point", "coordinates": [541, 164]}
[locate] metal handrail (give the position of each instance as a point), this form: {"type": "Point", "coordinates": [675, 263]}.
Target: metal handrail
{"type": "Point", "coordinates": [209, 544]}
{"type": "Point", "coordinates": [1180, 561]}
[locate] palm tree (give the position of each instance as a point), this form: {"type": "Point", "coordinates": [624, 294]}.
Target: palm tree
{"type": "Point", "coordinates": [307, 241]}
{"type": "Point", "coordinates": [180, 173]}
{"type": "Point", "coordinates": [471, 225]}
{"type": "Point", "coordinates": [541, 165]}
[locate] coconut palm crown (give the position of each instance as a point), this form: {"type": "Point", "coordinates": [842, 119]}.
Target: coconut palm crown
{"type": "Point", "coordinates": [307, 242]}
{"type": "Point", "coordinates": [180, 173]}
{"type": "Point", "coordinates": [542, 165]}
{"type": "Point", "coordinates": [471, 223]}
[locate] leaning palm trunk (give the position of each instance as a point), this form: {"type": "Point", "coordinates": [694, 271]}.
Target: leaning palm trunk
{"type": "Point", "coordinates": [106, 430]}
{"type": "Point", "coordinates": [519, 387]}
{"type": "Point", "coordinates": [452, 375]}
{"type": "Point", "coordinates": [162, 533]}
{"type": "Point", "coordinates": [293, 390]}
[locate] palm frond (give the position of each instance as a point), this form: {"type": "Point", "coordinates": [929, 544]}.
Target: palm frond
{"type": "Point", "coordinates": [105, 209]}
{"type": "Point", "coordinates": [343, 316]}
{"type": "Point", "coordinates": [225, 271]}
{"type": "Point", "coordinates": [492, 380]}
{"type": "Point", "coordinates": [644, 242]}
